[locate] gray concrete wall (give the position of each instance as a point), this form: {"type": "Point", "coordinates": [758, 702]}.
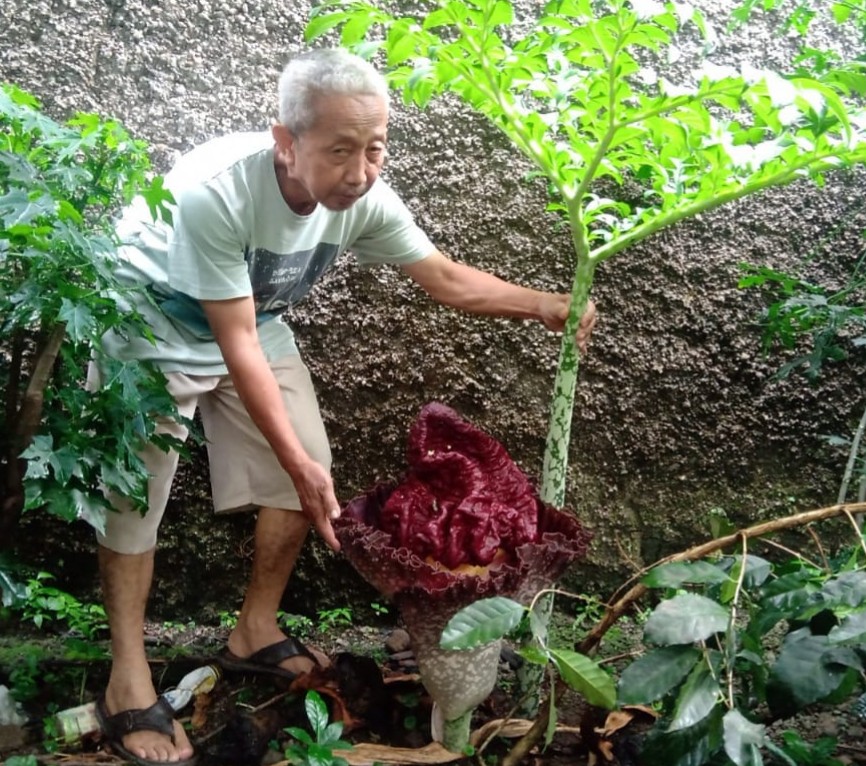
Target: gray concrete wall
{"type": "Point", "coordinates": [677, 411]}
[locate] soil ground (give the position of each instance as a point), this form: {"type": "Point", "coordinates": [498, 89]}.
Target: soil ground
{"type": "Point", "coordinates": [374, 689]}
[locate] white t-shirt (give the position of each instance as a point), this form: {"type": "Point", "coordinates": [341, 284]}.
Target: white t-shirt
{"type": "Point", "coordinates": [233, 235]}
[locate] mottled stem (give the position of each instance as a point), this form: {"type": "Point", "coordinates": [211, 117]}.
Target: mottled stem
{"type": "Point", "coordinates": [455, 736]}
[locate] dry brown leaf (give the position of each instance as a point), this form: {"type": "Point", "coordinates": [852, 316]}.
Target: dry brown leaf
{"type": "Point", "coordinates": [367, 754]}
{"type": "Point", "coordinates": [616, 720]}
{"type": "Point", "coordinates": [201, 705]}
{"type": "Point", "coordinates": [605, 747]}
{"type": "Point", "coordinates": [643, 709]}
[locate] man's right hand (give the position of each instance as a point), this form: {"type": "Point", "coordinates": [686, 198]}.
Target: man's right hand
{"type": "Point", "coordinates": [316, 491]}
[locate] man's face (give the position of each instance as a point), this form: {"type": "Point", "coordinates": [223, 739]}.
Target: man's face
{"type": "Point", "coordinates": [336, 161]}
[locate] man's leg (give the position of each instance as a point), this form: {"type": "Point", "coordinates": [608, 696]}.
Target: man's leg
{"type": "Point", "coordinates": [126, 580]}
{"type": "Point", "coordinates": [126, 553]}
{"type": "Point", "coordinates": [279, 538]}
{"type": "Point", "coordinates": [245, 472]}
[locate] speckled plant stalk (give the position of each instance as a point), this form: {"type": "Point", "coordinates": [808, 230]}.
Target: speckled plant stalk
{"type": "Point", "coordinates": [458, 681]}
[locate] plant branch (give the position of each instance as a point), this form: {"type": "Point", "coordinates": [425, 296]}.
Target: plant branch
{"type": "Point", "coordinates": [731, 644]}
{"type": "Point", "coordinates": [609, 134]}
{"type": "Point", "coordinates": [817, 540]}
{"type": "Point", "coordinates": [852, 458]}
{"type": "Point", "coordinates": [857, 531]}
{"type": "Point", "coordinates": [704, 205]}
{"type": "Point", "coordinates": [795, 554]}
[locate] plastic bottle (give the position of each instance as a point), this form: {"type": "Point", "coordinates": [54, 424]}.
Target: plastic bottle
{"type": "Point", "coordinates": [77, 722]}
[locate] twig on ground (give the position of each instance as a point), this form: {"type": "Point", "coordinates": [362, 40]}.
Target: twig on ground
{"type": "Point", "coordinates": [857, 531]}
{"type": "Point", "coordinates": [625, 556]}
{"type": "Point", "coordinates": [817, 540]}
{"type": "Point", "coordinates": [795, 554]}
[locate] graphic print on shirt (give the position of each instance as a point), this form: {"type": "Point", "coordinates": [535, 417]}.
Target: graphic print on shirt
{"type": "Point", "coordinates": [280, 280]}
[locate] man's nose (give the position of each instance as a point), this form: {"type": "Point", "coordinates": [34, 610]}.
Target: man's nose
{"type": "Point", "coordinates": [356, 170]}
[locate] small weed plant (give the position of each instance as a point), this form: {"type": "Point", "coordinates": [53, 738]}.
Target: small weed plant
{"type": "Point", "coordinates": [298, 625]}
{"type": "Point", "coordinates": [45, 605]}
{"type": "Point", "coordinates": [334, 619]}
{"type": "Point", "coordinates": [22, 760]}
{"type": "Point", "coordinates": [316, 749]}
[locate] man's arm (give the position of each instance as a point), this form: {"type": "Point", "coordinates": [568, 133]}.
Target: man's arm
{"type": "Point", "coordinates": [233, 323]}
{"type": "Point", "coordinates": [464, 287]}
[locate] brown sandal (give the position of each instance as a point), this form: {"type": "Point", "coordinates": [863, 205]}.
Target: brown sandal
{"type": "Point", "coordinates": [267, 660]}
{"type": "Point", "coordinates": [159, 717]}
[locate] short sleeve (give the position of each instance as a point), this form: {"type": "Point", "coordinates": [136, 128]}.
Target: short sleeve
{"type": "Point", "coordinates": [390, 234]}
{"type": "Point", "coordinates": [206, 252]}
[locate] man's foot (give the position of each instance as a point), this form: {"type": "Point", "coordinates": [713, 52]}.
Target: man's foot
{"type": "Point", "coordinates": [276, 653]}
{"type": "Point", "coordinates": [130, 735]}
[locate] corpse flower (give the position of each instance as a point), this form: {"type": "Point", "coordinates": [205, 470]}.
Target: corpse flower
{"type": "Point", "coordinates": [463, 525]}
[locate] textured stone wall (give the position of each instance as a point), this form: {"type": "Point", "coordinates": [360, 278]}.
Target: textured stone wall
{"type": "Point", "coordinates": [678, 412]}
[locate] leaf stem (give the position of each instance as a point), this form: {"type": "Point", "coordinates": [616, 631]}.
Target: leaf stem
{"type": "Point", "coordinates": [730, 643]}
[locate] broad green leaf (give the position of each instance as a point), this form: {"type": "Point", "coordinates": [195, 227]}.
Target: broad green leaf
{"type": "Point", "coordinates": [685, 747]}
{"type": "Point", "coordinates": [656, 673]}
{"type": "Point", "coordinates": [677, 573]}
{"type": "Point", "coordinates": [800, 675]}
{"type": "Point", "coordinates": [743, 739]}
{"type": "Point", "coordinates": [790, 592]}
{"type": "Point", "coordinates": [322, 22]}
{"type": "Point", "coordinates": [533, 654]}
{"type": "Point", "coordinates": [331, 734]}
{"type": "Point", "coordinates": [80, 323]}
{"type": "Point", "coordinates": [852, 629]}
{"type": "Point", "coordinates": [697, 698]}
{"type": "Point", "coordinates": [317, 712]}
{"type": "Point", "coordinates": [847, 589]}
{"type": "Point", "coordinates": [300, 734]}
{"type": "Point", "coordinates": [64, 464]}
{"type": "Point", "coordinates": [757, 569]}
{"type": "Point", "coordinates": [841, 12]}
{"type": "Point", "coordinates": [585, 676]}
{"type": "Point", "coordinates": [482, 622]}
{"type": "Point", "coordinates": [684, 619]}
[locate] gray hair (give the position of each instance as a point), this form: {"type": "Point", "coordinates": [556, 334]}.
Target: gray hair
{"type": "Point", "coordinates": [324, 71]}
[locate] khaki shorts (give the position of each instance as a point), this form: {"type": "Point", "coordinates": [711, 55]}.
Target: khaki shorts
{"type": "Point", "coordinates": [244, 472]}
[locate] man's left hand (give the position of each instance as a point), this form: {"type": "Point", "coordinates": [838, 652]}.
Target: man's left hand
{"type": "Point", "coordinates": [554, 312]}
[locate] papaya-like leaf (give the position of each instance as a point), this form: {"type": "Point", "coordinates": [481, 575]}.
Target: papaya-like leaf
{"type": "Point", "coordinates": [656, 673]}
{"type": "Point", "coordinates": [586, 676]}
{"type": "Point", "coordinates": [684, 619]}
{"type": "Point", "coordinates": [481, 622]}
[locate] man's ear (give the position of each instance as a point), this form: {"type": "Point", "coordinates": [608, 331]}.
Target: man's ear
{"type": "Point", "coordinates": [284, 141]}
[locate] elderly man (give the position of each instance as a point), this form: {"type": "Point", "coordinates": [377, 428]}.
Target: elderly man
{"type": "Point", "coordinates": [259, 218]}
